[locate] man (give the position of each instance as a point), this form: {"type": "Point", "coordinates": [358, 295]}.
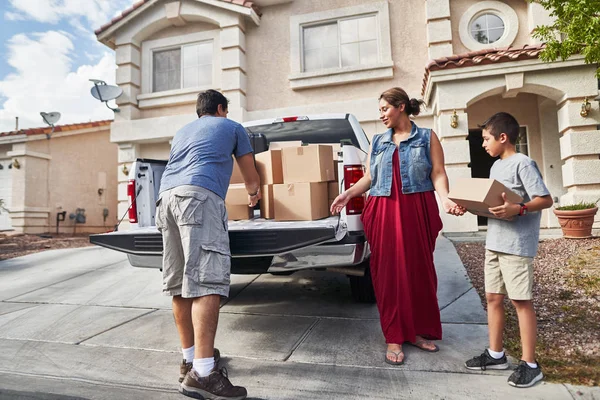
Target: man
{"type": "Point", "coordinates": [191, 215]}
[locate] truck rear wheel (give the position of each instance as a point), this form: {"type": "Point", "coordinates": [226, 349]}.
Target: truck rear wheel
{"type": "Point", "coordinates": [361, 287]}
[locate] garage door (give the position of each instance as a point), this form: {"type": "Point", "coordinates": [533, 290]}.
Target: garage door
{"type": "Point", "coordinates": [5, 192]}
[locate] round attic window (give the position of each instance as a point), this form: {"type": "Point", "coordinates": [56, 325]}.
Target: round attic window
{"type": "Point", "coordinates": [487, 28]}
{"type": "Point", "coordinates": [488, 24]}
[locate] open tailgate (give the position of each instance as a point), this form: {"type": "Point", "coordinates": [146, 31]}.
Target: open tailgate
{"type": "Point", "coordinates": [255, 237]}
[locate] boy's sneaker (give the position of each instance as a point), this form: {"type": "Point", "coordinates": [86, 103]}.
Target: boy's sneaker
{"type": "Point", "coordinates": [486, 361]}
{"type": "Point", "coordinates": [214, 386]}
{"type": "Point", "coordinates": [184, 367]}
{"type": "Point", "coordinates": [525, 376]}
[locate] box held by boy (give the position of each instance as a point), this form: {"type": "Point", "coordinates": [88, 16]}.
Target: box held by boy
{"type": "Point", "coordinates": [478, 195]}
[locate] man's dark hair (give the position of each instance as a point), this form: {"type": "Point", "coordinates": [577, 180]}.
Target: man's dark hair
{"type": "Point", "coordinates": [502, 123]}
{"type": "Point", "coordinates": [209, 101]}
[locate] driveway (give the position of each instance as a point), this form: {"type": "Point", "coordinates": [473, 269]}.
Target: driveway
{"type": "Point", "coordinates": [83, 324]}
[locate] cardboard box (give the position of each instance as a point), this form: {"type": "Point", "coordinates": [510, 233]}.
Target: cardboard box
{"type": "Point", "coordinates": [333, 190]}
{"type": "Point", "coordinates": [313, 163]}
{"type": "Point", "coordinates": [477, 195]}
{"type": "Point", "coordinates": [300, 201]}
{"type": "Point", "coordinates": [336, 174]}
{"type": "Point", "coordinates": [269, 167]}
{"type": "Point", "coordinates": [281, 145]}
{"type": "Point", "coordinates": [239, 211]}
{"type": "Point", "coordinates": [237, 195]}
{"type": "Point", "coordinates": [236, 175]}
{"type": "Point", "coordinates": [267, 206]}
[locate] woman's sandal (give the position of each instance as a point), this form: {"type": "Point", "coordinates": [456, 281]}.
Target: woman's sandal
{"type": "Point", "coordinates": [397, 354]}
{"type": "Point", "coordinates": [419, 345]}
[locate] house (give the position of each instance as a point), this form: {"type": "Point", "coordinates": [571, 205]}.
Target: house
{"type": "Point", "coordinates": [67, 173]}
{"type": "Point", "coordinates": [467, 59]}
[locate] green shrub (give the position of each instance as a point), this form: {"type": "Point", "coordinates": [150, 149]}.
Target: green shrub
{"type": "Point", "coordinates": [582, 205]}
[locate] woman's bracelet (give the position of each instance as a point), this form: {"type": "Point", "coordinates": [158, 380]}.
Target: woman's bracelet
{"type": "Point", "coordinates": [255, 193]}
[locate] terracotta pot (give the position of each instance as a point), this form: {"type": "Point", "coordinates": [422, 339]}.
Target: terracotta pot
{"type": "Point", "coordinates": [576, 224]}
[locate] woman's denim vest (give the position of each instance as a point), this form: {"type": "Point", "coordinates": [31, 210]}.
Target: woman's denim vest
{"type": "Point", "coordinates": [414, 157]}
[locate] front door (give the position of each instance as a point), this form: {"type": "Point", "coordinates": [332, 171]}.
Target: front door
{"type": "Point", "coordinates": [481, 161]}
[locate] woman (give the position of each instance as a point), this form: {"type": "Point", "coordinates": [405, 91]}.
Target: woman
{"type": "Point", "coordinates": [402, 222]}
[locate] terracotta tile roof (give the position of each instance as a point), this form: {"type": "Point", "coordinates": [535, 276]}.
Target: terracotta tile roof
{"type": "Point", "coordinates": [140, 3]}
{"type": "Point", "coordinates": [57, 128]}
{"type": "Point", "coordinates": [482, 57]}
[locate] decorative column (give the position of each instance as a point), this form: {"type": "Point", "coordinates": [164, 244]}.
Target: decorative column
{"type": "Point", "coordinates": [452, 128]}
{"type": "Point", "coordinates": [439, 30]}
{"type": "Point", "coordinates": [128, 153]}
{"type": "Point", "coordinates": [128, 77]}
{"type": "Point", "coordinates": [580, 150]}
{"type": "Point", "coordinates": [233, 65]}
{"type": "Point", "coordinates": [29, 210]}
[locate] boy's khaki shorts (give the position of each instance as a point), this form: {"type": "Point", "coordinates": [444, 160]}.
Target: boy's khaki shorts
{"type": "Point", "coordinates": [509, 274]}
{"type": "Point", "coordinates": [196, 255]}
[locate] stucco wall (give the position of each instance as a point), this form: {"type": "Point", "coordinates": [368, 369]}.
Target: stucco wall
{"type": "Point", "coordinates": [80, 165]}
{"type": "Point", "coordinates": [459, 7]}
{"type": "Point", "coordinates": [268, 49]}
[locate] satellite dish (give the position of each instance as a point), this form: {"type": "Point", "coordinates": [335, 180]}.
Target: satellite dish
{"type": "Point", "coordinates": [105, 93]}
{"type": "Point", "coordinates": [50, 118]}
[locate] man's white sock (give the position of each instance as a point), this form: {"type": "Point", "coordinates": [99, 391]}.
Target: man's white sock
{"type": "Point", "coordinates": [532, 365]}
{"type": "Point", "coordinates": [496, 354]}
{"type": "Point", "coordinates": [188, 354]}
{"type": "Point", "coordinates": [204, 366]}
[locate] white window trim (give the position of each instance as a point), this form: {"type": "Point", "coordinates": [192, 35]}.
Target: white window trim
{"type": "Point", "coordinates": [335, 76]}
{"type": "Point", "coordinates": [502, 10]}
{"type": "Point", "coordinates": [147, 98]}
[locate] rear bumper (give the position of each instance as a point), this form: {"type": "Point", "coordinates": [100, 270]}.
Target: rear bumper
{"type": "Point", "coordinates": [144, 249]}
{"type": "Point", "coordinates": [243, 243]}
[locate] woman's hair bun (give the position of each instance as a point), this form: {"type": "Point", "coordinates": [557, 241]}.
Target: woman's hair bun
{"type": "Point", "coordinates": [414, 107]}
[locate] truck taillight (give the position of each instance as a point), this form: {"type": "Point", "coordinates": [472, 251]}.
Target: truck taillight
{"type": "Point", "coordinates": [352, 174]}
{"type": "Point", "coordinates": [131, 195]}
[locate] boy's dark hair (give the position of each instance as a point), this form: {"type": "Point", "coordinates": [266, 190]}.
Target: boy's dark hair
{"type": "Point", "coordinates": [502, 123]}
{"type": "Point", "coordinates": [209, 101]}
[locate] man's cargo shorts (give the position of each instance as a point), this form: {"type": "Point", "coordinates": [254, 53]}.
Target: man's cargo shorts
{"type": "Point", "coordinates": [196, 255]}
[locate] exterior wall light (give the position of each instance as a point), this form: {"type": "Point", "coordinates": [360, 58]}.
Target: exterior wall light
{"type": "Point", "coordinates": [16, 164]}
{"type": "Point", "coordinates": [454, 120]}
{"type": "Point", "coordinates": [125, 170]}
{"type": "Point", "coordinates": [586, 106]}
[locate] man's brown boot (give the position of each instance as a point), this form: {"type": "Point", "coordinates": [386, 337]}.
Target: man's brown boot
{"type": "Point", "coordinates": [184, 367]}
{"type": "Point", "coordinates": [215, 386]}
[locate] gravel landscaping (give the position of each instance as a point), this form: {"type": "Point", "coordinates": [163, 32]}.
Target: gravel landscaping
{"type": "Point", "coordinates": [567, 301]}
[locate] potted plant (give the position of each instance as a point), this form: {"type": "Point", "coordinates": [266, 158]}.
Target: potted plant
{"type": "Point", "coordinates": [576, 220]}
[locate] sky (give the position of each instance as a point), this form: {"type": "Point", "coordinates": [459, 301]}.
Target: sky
{"type": "Point", "coordinates": [48, 53]}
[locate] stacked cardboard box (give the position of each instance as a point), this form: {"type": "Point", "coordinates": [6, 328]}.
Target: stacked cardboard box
{"type": "Point", "coordinates": [303, 195]}
{"type": "Point", "coordinates": [236, 202]}
{"type": "Point", "coordinates": [297, 183]}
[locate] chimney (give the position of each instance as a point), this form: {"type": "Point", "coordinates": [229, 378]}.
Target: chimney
{"type": "Point", "coordinates": [16, 123]}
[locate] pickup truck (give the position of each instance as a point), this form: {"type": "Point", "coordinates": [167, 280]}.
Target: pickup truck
{"type": "Point", "coordinates": [258, 245]}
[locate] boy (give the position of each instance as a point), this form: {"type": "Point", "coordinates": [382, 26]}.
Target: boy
{"type": "Point", "coordinates": [511, 245]}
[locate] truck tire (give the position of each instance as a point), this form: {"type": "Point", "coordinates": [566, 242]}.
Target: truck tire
{"type": "Point", "coordinates": [361, 287]}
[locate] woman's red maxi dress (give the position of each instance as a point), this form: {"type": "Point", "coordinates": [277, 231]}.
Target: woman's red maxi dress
{"type": "Point", "coordinates": [401, 230]}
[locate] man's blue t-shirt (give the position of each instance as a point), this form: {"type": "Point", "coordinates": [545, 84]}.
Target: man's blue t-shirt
{"type": "Point", "coordinates": [201, 154]}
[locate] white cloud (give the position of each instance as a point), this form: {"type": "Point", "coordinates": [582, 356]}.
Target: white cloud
{"type": "Point", "coordinates": [44, 81]}
{"type": "Point", "coordinates": [52, 11]}
{"type": "Point", "coordinates": [97, 12]}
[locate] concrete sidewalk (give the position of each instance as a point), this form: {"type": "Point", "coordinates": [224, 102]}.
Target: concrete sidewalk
{"type": "Point", "coordinates": [84, 323]}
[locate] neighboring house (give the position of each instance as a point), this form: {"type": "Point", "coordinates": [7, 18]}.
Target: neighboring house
{"type": "Point", "coordinates": [45, 173]}
{"type": "Point", "coordinates": [294, 57]}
